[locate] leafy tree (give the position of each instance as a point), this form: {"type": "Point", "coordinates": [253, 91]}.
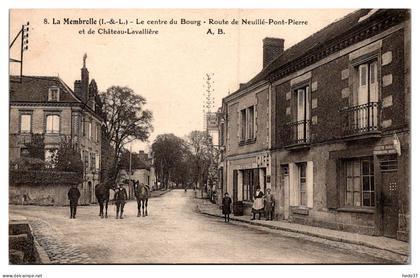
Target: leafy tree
{"type": "Point", "coordinates": [126, 120]}
{"type": "Point", "coordinates": [67, 158]}
{"type": "Point", "coordinates": [36, 146]}
{"type": "Point", "coordinates": [203, 158]}
{"type": "Point", "coordinates": [168, 152]}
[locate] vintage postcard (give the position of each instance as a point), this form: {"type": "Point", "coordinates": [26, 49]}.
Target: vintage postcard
{"type": "Point", "coordinates": [209, 136]}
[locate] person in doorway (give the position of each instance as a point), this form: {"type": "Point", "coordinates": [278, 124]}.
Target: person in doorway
{"type": "Point", "coordinates": [120, 198]}
{"type": "Point", "coordinates": [73, 195]}
{"type": "Point", "coordinates": [269, 205]}
{"type": "Point", "coordinates": [258, 205]}
{"type": "Point", "coordinates": [226, 204]}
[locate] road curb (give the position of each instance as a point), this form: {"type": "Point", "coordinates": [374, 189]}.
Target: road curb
{"type": "Point", "coordinates": [331, 238]}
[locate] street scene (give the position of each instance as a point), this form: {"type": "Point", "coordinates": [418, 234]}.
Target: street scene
{"type": "Point", "coordinates": [174, 232]}
{"type": "Point", "coordinates": [278, 142]}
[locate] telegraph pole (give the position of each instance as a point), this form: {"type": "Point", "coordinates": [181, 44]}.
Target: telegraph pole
{"type": "Point", "coordinates": [24, 42]}
{"type": "Point", "coordinates": [208, 102]}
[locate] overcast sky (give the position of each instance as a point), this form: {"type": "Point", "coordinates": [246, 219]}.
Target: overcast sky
{"type": "Point", "coordinates": [168, 69]}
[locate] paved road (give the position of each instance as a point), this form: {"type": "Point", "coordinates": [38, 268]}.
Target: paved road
{"type": "Point", "coordinates": [172, 233]}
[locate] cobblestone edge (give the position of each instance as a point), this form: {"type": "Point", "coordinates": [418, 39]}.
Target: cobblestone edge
{"type": "Point", "coordinates": [356, 246]}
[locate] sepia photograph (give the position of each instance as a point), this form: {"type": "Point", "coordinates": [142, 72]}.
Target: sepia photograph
{"type": "Point", "coordinates": [209, 136]}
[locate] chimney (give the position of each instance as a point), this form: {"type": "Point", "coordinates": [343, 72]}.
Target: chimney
{"type": "Point", "coordinates": [272, 48]}
{"type": "Point", "coordinates": [85, 81]}
{"type": "Point", "coordinates": [242, 85]}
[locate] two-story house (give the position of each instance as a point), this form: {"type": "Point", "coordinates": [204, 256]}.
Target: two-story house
{"type": "Point", "coordinates": [245, 135]}
{"type": "Point", "coordinates": [46, 105]}
{"type": "Point", "coordinates": [340, 135]}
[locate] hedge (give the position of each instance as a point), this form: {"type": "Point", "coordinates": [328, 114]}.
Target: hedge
{"type": "Point", "coordinates": [21, 177]}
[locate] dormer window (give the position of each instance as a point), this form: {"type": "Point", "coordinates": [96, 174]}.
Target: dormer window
{"type": "Point", "coordinates": [54, 94]}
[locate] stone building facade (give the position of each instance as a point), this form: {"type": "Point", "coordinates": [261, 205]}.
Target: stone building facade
{"type": "Point", "coordinates": [46, 105]}
{"type": "Point", "coordinates": [339, 125]}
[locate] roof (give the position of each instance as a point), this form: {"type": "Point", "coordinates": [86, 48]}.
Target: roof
{"type": "Point", "coordinates": [337, 29]}
{"type": "Point", "coordinates": [35, 89]}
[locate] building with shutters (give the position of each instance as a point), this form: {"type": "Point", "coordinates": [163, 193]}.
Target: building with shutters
{"type": "Point", "coordinates": [245, 136]}
{"type": "Point", "coordinates": [46, 105]}
{"type": "Point", "coordinates": [339, 133]}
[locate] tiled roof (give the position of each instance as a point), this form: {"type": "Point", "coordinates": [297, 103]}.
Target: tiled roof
{"type": "Point", "coordinates": [333, 31]}
{"type": "Point", "coordinates": [35, 89]}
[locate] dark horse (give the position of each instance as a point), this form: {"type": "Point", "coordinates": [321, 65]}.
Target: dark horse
{"type": "Point", "coordinates": [142, 195]}
{"type": "Point", "coordinates": [102, 194]}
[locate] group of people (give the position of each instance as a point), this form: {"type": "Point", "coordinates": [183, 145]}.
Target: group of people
{"type": "Point", "coordinates": [120, 198]}
{"type": "Point", "coordinates": [263, 203]}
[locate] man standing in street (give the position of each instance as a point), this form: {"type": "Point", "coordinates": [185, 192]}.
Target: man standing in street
{"type": "Point", "coordinates": [226, 204]}
{"type": "Point", "coordinates": [73, 195]}
{"type": "Point", "coordinates": [269, 205]}
{"type": "Point", "coordinates": [120, 199]}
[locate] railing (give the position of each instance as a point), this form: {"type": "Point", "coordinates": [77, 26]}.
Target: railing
{"type": "Point", "coordinates": [298, 133]}
{"type": "Point", "coordinates": [360, 119]}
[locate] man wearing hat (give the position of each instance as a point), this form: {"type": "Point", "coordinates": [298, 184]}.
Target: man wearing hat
{"type": "Point", "coordinates": [269, 205]}
{"type": "Point", "coordinates": [120, 198]}
{"type": "Point", "coordinates": [73, 195]}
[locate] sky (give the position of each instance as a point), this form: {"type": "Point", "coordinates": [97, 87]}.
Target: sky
{"type": "Point", "coordinates": [168, 69]}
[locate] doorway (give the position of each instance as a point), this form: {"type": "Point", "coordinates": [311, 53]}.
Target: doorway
{"type": "Point", "coordinates": [390, 193]}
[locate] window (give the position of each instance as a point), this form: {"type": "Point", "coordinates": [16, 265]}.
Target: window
{"type": "Point", "coordinates": [248, 187]}
{"type": "Point", "coordinates": [54, 94]}
{"type": "Point", "coordinates": [89, 127]}
{"type": "Point", "coordinates": [92, 161]}
{"type": "Point", "coordinates": [300, 177]}
{"type": "Point", "coordinates": [365, 96]}
{"type": "Point", "coordinates": [302, 184]}
{"type": "Point", "coordinates": [302, 114]}
{"type": "Point", "coordinates": [247, 129]}
{"type": "Point", "coordinates": [75, 125]}
{"type": "Point", "coordinates": [85, 156]}
{"type": "Point", "coordinates": [98, 132]}
{"type": "Point", "coordinates": [360, 188]}
{"type": "Point", "coordinates": [97, 161]}
{"type": "Point", "coordinates": [25, 123]}
{"type": "Point", "coordinates": [243, 124]}
{"type": "Point", "coordinates": [53, 124]}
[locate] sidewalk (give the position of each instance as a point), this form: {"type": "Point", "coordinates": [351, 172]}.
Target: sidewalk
{"type": "Point", "coordinates": [393, 250]}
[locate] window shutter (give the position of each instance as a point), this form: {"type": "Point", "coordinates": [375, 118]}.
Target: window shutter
{"type": "Point", "coordinates": [331, 186]}
{"type": "Point", "coordinates": [310, 183]}
{"type": "Point", "coordinates": [235, 186]}
{"type": "Point", "coordinates": [255, 121]}
{"type": "Point", "coordinates": [238, 124]}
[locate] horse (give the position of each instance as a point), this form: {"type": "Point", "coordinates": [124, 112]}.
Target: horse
{"type": "Point", "coordinates": [102, 195]}
{"type": "Point", "coordinates": [141, 191]}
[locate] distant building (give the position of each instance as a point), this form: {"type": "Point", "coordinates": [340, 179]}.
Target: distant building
{"type": "Point", "coordinates": [326, 125]}
{"type": "Point", "coordinates": [46, 105]}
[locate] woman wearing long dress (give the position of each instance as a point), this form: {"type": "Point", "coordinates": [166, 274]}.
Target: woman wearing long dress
{"type": "Point", "coordinates": [258, 205]}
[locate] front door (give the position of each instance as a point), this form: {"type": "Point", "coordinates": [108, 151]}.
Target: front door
{"type": "Point", "coordinates": [390, 203]}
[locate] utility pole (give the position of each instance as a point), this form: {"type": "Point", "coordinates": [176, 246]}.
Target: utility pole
{"type": "Point", "coordinates": [24, 42]}
{"type": "Point", "coordinates": [208, 100]}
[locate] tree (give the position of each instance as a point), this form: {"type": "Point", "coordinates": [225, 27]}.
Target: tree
{"type": "Point", "coordinates": [126, 120]}
{"type": "Point", "coordinates": [201, 146]}
{"type": "Point", "coordinates": [67, 158]}
{"type": "Point", "coordinates": [168, 152]}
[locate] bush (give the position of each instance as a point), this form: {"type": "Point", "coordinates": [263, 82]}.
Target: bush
{"type": "Point", "coordinates": [21, 177]}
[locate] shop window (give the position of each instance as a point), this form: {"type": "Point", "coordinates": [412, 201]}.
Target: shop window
{"type": "Point", "coordinates": [360, 188]}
